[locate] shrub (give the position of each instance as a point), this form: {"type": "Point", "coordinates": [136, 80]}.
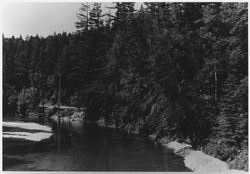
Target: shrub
{"type": "Point", "coordinates": [220, 150]}
{"type": "Point", "coordinates": [241, 160]}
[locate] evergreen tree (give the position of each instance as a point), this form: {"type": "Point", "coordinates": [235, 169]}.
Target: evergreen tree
{"type": "Point", "coordinates": [83, 16]}
{"type": "Point", "coordinates": [172, 69]}
{"type": "Point", "coordinates": [95, 16]}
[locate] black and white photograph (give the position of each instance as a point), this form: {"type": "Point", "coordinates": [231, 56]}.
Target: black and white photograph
{"type": "Point", "coordinates": [124, 86]}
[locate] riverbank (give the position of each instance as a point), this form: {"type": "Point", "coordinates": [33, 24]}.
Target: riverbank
{"type": "Point", "coordinates": [26, 130]}
{"type": "Point", "coordinates": [195, 160]}
{"type": "Point", "coordinates": [198, 161]}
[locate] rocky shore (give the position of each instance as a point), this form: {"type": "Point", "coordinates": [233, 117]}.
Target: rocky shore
{"type": "Point", "coordinates": [67, 114]}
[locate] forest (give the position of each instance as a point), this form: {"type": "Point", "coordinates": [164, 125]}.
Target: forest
{"type": "Point", "coordinates": [175, 69]}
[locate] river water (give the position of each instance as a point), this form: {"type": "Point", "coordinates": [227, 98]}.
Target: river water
{"type": "Point", "coordinates": [75, 146]}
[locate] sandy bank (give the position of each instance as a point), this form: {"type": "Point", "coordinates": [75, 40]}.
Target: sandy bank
{"type": "Point", "coordinates": [44, 131]}
{"type": "Point", "coordinates": [27, 136]}
{"type": "Point", "coordinates": [27, 125]}
{"type": "Point", "coordinates": [199, 161]}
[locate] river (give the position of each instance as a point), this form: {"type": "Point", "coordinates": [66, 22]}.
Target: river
{"type": "Point", "coordinates": [75, 146]}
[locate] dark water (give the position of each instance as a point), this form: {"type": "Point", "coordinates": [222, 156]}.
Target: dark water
{"type": "Point", "coordinates": [78, 147]}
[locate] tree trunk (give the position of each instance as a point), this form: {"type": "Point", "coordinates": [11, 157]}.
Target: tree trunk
{"type": "Point", "coordinates": [87, 16]}
{"type": "Point", "coordinates": [59, 94]}
{"type": "Point", "coordinates": [215, 82]}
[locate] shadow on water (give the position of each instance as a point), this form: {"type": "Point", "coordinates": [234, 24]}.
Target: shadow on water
{"type": "Point", "coordinates": [86, 147]}
{"type": "Point", "coordinates": [10, 161]}
{"type": "Point", "coordinates": [100, 149]}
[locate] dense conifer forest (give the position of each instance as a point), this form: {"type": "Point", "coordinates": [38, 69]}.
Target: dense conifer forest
{"type": "Point", "coordinates": [174, 69]}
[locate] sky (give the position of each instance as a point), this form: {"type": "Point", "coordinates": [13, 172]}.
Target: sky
{"type": "Point", "coordinates": [27, 18]}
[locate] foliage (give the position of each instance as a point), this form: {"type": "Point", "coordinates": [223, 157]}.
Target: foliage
{"type": "Point", "coordinates": [175, 69]}
{"type": "Point", "coordinates": [27, 101]}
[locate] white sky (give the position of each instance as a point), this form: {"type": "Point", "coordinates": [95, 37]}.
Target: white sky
{"type": "Point", "coordinates": [40, 18]}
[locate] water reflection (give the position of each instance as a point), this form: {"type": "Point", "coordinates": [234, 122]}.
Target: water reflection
{"type": "Point", "coordinates": [76, 146]}
{"type": "Point", "coordinates": [64, 130]}
{"type": "Point", "coordinates": [98, 149]}
{"type": "Point", "coordinates": [59, 137]}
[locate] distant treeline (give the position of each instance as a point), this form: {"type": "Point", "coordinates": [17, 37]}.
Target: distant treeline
{"type": "Point", "coordinates": [175, 69]}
